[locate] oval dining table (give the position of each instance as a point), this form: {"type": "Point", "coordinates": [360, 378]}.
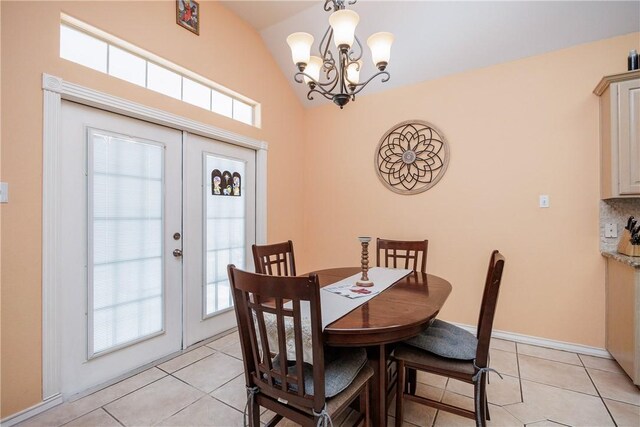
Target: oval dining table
{"type": "Point", "coordinates": [400, 312]}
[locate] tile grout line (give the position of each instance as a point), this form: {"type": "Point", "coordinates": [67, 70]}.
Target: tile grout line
{"type": "Point", "coordinates": [186, 366]}
{"type": "Point", "coordinates": [112, 416]}
{"type": "Point", "coordinates": [601, 399]}
{"type": "Point", "coordinates": [226, 404]}
{"type": "Point", "coordinates": [552, 360]}
{"type": "Point", "coordinates": [519, 374]}
{"type": "Point", "coordinates": [182, 409]}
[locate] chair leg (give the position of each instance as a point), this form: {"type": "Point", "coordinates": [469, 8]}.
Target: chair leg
{"type": "Point", "coordinates": [364, 405]}
{"type": "Point", "coordinates": [486, 402]}
{"type": "Point", "coordinates": [400, 393]}
{"type": "Point", "coordinates": [480, 402]}
{"type": "Point", "coordinates": [254, 414]}
{"type": "Point", "coordinates": [412, 381]}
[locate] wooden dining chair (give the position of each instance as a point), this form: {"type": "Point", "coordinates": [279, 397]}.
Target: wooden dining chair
{"type": "Point", "coordinates": [275, 260]}
{"type": "Point", "coordinates": [403, 254]}
{"type": "Point", "coordinates": [473, 370]}
{"type": "Point", "coordinates": [408, 254]}
{"type": "Point", "coordinates": [277, 316]}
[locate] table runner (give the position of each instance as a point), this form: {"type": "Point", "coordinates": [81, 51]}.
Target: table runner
{"type": "Point", "coordinates": [333, 307]}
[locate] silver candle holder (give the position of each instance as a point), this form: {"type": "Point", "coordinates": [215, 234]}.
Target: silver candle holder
{"type": "Point", "coordinates": [364, 279]}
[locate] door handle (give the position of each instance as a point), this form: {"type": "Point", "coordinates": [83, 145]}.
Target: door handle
{"type": "Point", "coordinates": [177, 253]}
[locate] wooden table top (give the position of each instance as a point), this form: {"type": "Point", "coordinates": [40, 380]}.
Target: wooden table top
{"type": "Point", "coordinates": [398, 313]}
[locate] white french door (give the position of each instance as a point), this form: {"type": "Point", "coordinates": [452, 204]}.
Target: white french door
{"type": "Point", "coordinates": [145, 241]}
{"type": "Point", "coordinates": [121, 285]}
{"type": "Point", "coordinates": [219, 229]}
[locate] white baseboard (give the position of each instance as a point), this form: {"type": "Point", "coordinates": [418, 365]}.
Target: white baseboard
{"type": "Point", "coordinates": [543, 342]}
{"type": "Point", "coordinates": [32, 411]}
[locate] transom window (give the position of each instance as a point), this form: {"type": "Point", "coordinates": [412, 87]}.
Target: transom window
{"type": "Point", "coordinates": [93, 48]}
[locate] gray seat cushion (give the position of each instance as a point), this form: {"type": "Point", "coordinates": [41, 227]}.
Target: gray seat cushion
{"type": "Point", "coordinates": [445, 365]}
{"type": "Point", "coordinates": [341, 367]}
{"type": "Point", "coordinates": [446, 340]}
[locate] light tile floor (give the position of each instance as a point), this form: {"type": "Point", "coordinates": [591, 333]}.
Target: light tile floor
{"type": "Point", "coordinates": [205, 387]}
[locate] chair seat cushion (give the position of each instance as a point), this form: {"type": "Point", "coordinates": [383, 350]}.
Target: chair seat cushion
{"type": "Point", "coordinates": [429, 361]}
{"type": "Point", "coordinates": [446, 340]}
{"type": "Point", "coordinates": [341, 367]}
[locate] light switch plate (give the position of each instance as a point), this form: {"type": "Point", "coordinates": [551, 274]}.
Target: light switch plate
{"type": "Point", "coordinates": [544, 201]}
{"type": "Point", "coordinates": [610, 230]}
{"type": "Point", "coordinates": [4, 192]}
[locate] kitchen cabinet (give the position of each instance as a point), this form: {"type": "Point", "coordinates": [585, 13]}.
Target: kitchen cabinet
{"type": "Point", "coordinates": [619, 135]}
{"type": "Point", "coordinates": [623, 313]}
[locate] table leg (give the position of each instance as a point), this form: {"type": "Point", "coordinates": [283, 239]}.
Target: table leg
{"type": "Point", "coordinates": [378, 361]}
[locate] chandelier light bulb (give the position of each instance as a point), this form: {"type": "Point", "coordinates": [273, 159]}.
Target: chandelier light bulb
{"type": "Point", "coordinates": [313, 69]}
{"type": "Point", "coordinates": [300, 44]}
{"type": "Point", "coordinates": [344, 24]}
{"type": "Point", "coordinates": [353, 73]}
{"type": "Point", "coordinates": [380, 45]}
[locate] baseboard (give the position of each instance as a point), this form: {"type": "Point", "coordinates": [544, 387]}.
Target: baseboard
{"type": "Point", "coordinates": [544, 342]}
{"type": "Point", "coordinates": [32, 411]}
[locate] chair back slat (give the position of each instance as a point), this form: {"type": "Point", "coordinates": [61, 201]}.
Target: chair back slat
{"type": "Point", "coordinates": [274, 260]}
{"type": "Point", "coordinates": [273, 304]}
{"type": "Point", "coordinates": [412, 255]}
{"type": "Point", "coordinates": [297, 331]}
{"type": "Point", "coordinates": [488, 307]}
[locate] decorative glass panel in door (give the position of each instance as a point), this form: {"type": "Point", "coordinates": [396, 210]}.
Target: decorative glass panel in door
{"type": "Point", "coordinates": [225, 228]}
{"type": "Point", "coordinates": [219, 227]}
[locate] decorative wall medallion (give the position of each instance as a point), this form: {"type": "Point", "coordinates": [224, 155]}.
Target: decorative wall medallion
{"type": "Point", "coordinates": [412, 157]}
{"type": "Point", "coordinates": [225, 183]}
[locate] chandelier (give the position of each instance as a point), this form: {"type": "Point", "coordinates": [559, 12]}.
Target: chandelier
{"type": "Point", "coordinates": [341, 71]}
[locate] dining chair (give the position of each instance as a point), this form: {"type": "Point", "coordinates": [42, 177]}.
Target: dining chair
{"type": "Point", "coordinates": [280, 255]}
{"type": "Point", "coordinates": [409, 254]}
{"type": "Point", "coordinates": [279, 320]}
{"type": "Point", "coordinates": [442, 353]}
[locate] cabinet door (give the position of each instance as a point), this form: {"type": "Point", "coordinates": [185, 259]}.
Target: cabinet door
{"type": "Point", "coordinates": [629, 137]}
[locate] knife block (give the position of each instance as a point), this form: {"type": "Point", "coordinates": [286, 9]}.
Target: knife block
{"type": "Point", "coordinates": [625, 247]}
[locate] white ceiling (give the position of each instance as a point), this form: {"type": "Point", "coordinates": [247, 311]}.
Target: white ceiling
{"type": "Point", "coordinates": [437, 38]}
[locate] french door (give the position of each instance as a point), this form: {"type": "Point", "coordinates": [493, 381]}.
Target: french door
{"type": "Point", "coordinates": [144, 238]}
{"type": "Point", "coordinates": [219, 228]}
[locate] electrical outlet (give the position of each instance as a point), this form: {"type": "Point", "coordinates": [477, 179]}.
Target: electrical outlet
{"type": "Point", "coordinates": [610, 230]}
{"type": "Point", "coordinates": [4, 192]}
{"type": "Point", "coordinates": [544, 201]}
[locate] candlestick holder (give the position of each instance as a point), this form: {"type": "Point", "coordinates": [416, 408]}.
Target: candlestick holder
{"type": "Point", "coordinates": [364, 280]}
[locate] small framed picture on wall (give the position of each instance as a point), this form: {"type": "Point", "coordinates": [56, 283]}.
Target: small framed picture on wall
{"type": "Point", "coordinates": [188, 15]}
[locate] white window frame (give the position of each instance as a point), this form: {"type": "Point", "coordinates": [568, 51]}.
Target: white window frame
{"type": "Point", "coordinates": [91, 31]}
{"type": "Point", "coordinates": [55, 89]}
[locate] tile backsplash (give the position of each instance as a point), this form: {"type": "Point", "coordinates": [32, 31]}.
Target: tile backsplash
{"type": "Point", "coordinates": [616, 211]}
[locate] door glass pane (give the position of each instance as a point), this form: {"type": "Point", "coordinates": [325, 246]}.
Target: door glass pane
{"type": "Point", "coordinates": [126, 228]}
{"type": "Point", "coordinates": [225, 228]}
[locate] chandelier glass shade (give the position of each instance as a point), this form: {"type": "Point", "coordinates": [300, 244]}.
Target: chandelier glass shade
{"type": "Point", "coordinates": [335, 74]}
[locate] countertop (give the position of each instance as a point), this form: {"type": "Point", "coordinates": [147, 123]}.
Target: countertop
{"type": "Point", "coordinates": [632, 261]}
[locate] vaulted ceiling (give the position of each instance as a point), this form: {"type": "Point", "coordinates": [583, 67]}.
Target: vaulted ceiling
{"type": "Point", "coordinates": [434, 39]}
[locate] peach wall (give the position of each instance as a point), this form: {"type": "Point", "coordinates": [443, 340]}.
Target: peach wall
{"type": "Point", "coordinates": [516, 130]}
{"type": "Point", "coordinates": [30, 34]}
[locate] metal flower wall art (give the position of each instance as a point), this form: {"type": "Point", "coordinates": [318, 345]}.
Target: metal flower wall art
{"type": "Point", "coordinates": [412, 157]}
